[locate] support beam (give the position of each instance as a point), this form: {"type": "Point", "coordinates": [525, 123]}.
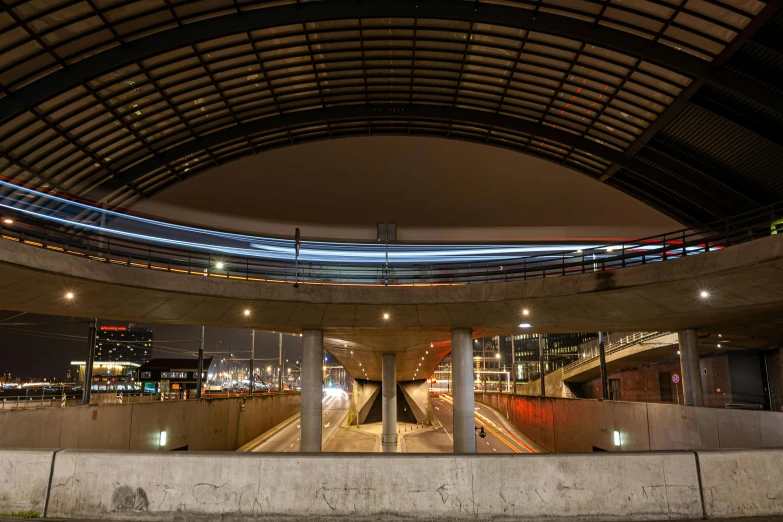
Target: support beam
{"type": "Point", "coordinates": [689, 365]}
{"type": "Point", "coordinates": [602, 358]}
{"type": "Point", "coordinates": [389, 403]}
{"type": "Point", "coordinates": [252, 361]}
{"type": "Point", "coordinates": [92, 340]}
{"type": "Point", "coordinates": [200, 374]}
{"type": "Point", "coordinates": [312, 391]}
{"type": "Point", "coordinates": [462, 391]}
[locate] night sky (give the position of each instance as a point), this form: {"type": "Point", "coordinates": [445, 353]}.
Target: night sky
{"type": "Point", "coordinates": [44, 345]}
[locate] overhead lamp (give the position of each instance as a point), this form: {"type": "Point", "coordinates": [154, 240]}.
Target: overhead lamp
{"type": "Point", "coordinates": [69, 295]}
{"type": "Point", "coordinates": [525, 325]}
{"type": "Point", "coordinates": [246, 312]}
{"type": "Point", "coordinates": [497, 356]}
{"type": "Point", "coordinates": [426, 352]}
{"type": "Point", "coordinates": [8, 221]}
{"type": "Point", "coordinates": [386, 317]}
{"type": "Point", "coordinates": [432, 345]}
{"type": "Point", "coordinates": [704, 294]}
{"type": "Point", "coordinates": [219, 265]}
{"type": "Point", "coordinates": [351, 352]}
{"type": "Point", "coordinates": [718, 345]}
{"type": "Point", "coordinates": [525, 312]}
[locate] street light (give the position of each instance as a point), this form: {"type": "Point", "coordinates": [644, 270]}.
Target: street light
{"type": "Point", "coordinates": [219, 265]}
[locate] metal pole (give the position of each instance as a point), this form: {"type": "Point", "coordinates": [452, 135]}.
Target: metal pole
{"type": "Point", "coordinates": [200, 375]}
{"type": "Point", "coordinates": [513, 367]}
{"type": "Point", "coordinates": [252, 360]}
{"type": "Point", "coordinates": [602, 357]}
{"type": "Point", "coordinates": [280, 377]}
{"type": "Point", "coordinates": [91, 341]}
{"type": "Point", "coordinates": [541, 372]}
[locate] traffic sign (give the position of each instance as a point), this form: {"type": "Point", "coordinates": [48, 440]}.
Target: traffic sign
{"type": "Point", "coordinates": [675, 378]}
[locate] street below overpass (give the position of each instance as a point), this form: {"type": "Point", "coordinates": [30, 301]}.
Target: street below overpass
{"type": "Point", "coordinates": [336, 403]}
{"type": "Point", "coordinates": [499, 437]}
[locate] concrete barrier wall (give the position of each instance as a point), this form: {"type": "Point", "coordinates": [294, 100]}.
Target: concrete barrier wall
{"type": "Point", "coordinates": [742, 483]}
{"type": "Point", "coordinates": [24, 480]}
{"type": "Point", "coordinates": [150, 486]}
{"type": "Point", "coordinates": [583, 425]}
{"type": "Point", "coordinates": [201, 425]}
{"type": "Point", "coordinates": [131, 485]}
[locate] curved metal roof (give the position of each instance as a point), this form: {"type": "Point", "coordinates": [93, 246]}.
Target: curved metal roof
{"type": "Point", "coordinates": [676, 102]}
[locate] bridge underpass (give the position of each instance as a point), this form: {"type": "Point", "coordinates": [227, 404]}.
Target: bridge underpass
{"type": "Point", "coordinates": [397, 334]}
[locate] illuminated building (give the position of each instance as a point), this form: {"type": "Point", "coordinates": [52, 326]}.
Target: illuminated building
{"type": "Point", "coordinates": [124, 344]}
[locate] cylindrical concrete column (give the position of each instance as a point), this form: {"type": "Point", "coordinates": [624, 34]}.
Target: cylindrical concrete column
{"type": "Point", "coordinates": [689, 365]}
{"type": "Point", "coordinates": [389, 403]}
{"type": "Point", "coordinates": [312, 390]}
{"type": "Point", "coordinates": [462, 390]}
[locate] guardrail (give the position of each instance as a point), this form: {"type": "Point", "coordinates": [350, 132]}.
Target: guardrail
{"type": "Point", "coordinates": [613, 347]}
{"type": "Point", "coordinates": [122, 251]}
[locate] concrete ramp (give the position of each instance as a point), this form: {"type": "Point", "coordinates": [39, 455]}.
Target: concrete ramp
{"type": "Point", "coordinates": [362, 399]}
{"type": "Point", "coordinates": [417, 395]}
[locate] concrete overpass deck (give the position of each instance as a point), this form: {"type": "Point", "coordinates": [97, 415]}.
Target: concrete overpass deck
{"type": "Point", "coordinates": [744, 282]}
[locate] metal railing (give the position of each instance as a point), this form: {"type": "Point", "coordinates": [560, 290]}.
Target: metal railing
{"type": "Point", "coordinates": [665, 247]}
{"type": "Point", "coordinates": [630, 339]}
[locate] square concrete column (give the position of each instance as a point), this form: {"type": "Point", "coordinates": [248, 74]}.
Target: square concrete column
{"type": "Point", "coordinates": [689, 365]}
{"type": "Point", "coordinates": [464, 409]}
{"type": "Point", "coordinates": [389, 403]}
{"type": "Point", "coordinates": [312, 390]}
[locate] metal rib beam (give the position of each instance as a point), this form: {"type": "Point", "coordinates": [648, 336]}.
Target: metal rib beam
{"type": "Point", "coordinates": [191, 34]}
{"type": "Point", "coordinates": [716, 199]}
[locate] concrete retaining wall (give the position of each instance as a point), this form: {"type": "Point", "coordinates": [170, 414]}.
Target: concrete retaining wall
{"type": "Point", "coordinates": [201, 425]}
{"type": "Point", "coordinates": [145, 486]}
{"type": "Point", "coordinates": [24, 480]}
{"type": "Point", "coordinates": [128, 485]}
{"type": "Point", "coordinates": [582, 425]}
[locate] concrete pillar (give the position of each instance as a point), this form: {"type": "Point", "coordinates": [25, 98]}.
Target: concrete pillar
{"type": "Point", "coordinates": [312, 390]}
{"type": "Point", "coordinates": [464, 409]}
{"type": "Point", "coordinates": [689, 365]}
{"type": "Point", "coordinates": [389, 403]}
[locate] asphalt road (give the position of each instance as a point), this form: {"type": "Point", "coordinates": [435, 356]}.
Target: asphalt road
{"type": "Point", "coordinates": [497, 440]}
{"type": "Point", "coordinates": [335, 409]}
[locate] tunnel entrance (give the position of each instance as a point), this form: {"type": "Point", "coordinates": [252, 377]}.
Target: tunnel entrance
{"type": "Point", "coordinates": [404, 411]}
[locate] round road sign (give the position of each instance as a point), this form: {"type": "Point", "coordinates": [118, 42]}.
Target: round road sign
{"type": "Point", "coordinates": [675, 378]}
